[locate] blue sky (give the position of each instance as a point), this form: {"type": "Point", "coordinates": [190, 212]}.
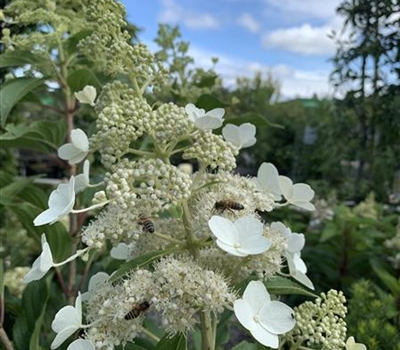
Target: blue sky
{"type": "Point", "coordinates": [286, 37]}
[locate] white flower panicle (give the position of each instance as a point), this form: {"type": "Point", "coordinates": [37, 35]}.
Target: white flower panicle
{"type": "Point", "coordinates": [322, 323]}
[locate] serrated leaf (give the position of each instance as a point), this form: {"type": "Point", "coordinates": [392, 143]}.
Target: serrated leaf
{"type": "Point", "coordinates": [208, 102]}
{"type": "Point", "coordinates": [253, 118]}
{"type": "Point", "coordinates": [140, 261]}
{"type": "Point", "coordinates": [82, 77]}
{"type": "Point", "coordinates": [43, 136]}
{"type": "Point", "coordinates": [12, 91]}
{"type": "Point", "coordinates": [282, 285]}
{"type": "Point", "coordinates": [177, 342]}
{"type": "Point", "coordinates": [19, 59]}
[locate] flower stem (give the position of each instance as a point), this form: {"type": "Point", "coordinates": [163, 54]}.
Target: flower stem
{"type": "Point", "coordinates": [151, 335]}
{"type": "Point", "coordinates": [190, 237]}
{"type": "Point", "coordinates": [207, 331]}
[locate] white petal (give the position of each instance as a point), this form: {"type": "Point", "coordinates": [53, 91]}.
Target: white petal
{"type": "Point", "coordinates": [305, 205]}
{"type": "Point", "coordinates": [80, 140]}
{"type": "Point", "coordinates": [268, 177]}
{"type": "Point", "coordinates": [77, 158]}
{"type": "Point", "coordinates": [303, 279]}
{"type": "Point", "coordinates": [208, 122]}
{"type": "Point", "coordinates": [62, 336]}
{"type": "Point", "coordinates": [46, 261]}
{"type": "Point", "coordinates": [281, 228]}
{"type": "Point", "coordinates": [286, 186]}
{"type": "Point", "coordinates": [67, 151]}
{"type": "Point", "coordinates": [97, 280]}
{"type": "Point", "coordinates": [249, 225]}
{"type": "Point", "coordinates": [299, 263]}
{"type": "Point", "coordinates": [231, 133]}
{"type": "Point", "coordinates": [87, 95]}
{"type": "Point", "coordinates": [253, 245]}
{"type": "Point", "coordinates": [48, 216]}
{"type": "Point", "coordinates": [66, 317]}
{"type": "Point", "coordinates": [244, 314]}
{"type": "Point", "coordinates": [256, 296]}
{"type": "Point", "coordinates": [276, 317]}
{"type": "Point", "coordinates": [230, 248]}
{"type": "Point", "coordinates": [193, 111]}
{"type": "Point", "coordinates": [248, 132]}
{"type": "Point", "coordinates": [34, 274]}
{"type": "Point", "coordinates": [296, 242]}
{"type": "Point", "coordinates": [264, 337]}
{"type": "Point", "coordinates": [217, 113]}
{"type": "Point", "coordinates": [120, 252]}
{"type": "Point", "coordinates": [302, 192]}
{"type": "Point", "coordinates": [223, 229]}
{"type": "Point", "coordinates": [81, 344]}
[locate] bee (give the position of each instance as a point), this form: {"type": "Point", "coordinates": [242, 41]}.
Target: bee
{"type": "Point", "coordinates": [227, 204]}
{"type": "Point", "coordinates": [137, 310]}
{"type": "Point", "coordinates": [146, 223]}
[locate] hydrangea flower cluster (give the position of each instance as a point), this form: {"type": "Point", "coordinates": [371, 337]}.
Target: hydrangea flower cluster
{"type": "Point", "coordinates": [202, 234]}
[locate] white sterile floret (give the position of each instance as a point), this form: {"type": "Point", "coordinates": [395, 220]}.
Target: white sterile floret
{"type": "Point", "coordinates": [120, 252]}
{"type": "Point", "coordinates": [299, 194]}
{"type": "Point", "coordinates": [61, 202]}
{"type": "Point", "coordinates": [81, 344]}
{"type": "Point", "coordinates": [292, 253]}
{"type": "Point", "coordinates": [211, 120]}
{"type": "Point", "coordinates": [66, 322]}
{"type": "Point", "coordinates": [42, 264]}
{"type": "Point", "coordinates": [241, 136]}
{"type": "Point", "coordinates": [77, 150]}
{"type": "Point", "coordinates": [82, 180]}
{"type": "Point", "coordinates": [352, 345]}
{"type": "Point", "coordinates": [95, 282]}
{"type": "Point", "coordinates": [87, 95]}
{"type": "Point", "coordinates": [265, 319]}
{"type": "Point", "coordinates": [240, 238]}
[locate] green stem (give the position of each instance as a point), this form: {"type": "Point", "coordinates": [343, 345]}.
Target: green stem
{"type": "Point", "coordinates": [207, 331]}
{"type": "Point", "coordinates": [151, 335]}
{"type": "Point", "coordinates": [167, 238]}
{"type": "Point", "coordinates": [141, 153]}
{"type": "Point", "coordinates": [190, 237]}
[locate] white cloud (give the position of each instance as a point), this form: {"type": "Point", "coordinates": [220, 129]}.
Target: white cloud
{"type": "Point", "coordinates": [247, 21]}
{"type": "Point", "coordinates": [174, 13]}
{"type": "Point", "coordinates": [305, 9]}
{"type": "Point", "coordinates": [306, 40]}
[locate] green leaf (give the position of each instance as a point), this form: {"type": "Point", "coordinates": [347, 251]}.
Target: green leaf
{"type": "Point", "coordinates": [391, 282]}
{"type": "Point", "coordinates": [82, 77]}
{"type": "Point", "coordinates": [253, 118]}
{"type": "Point", "coordinates": [209, 102]}
{"type": "Point", "coordinates": [19, 59]}
{"type": "Point", "coordinates": [207, 81]}
{"type": "Point", "coordinates": [283, 285]}
{"type": "Point", "coordinates": [9, 192]}
{"type": "Point", "coordinates": [330, 231]}
{"type": "Point", "coordinates": [43, 136]}
{"type": "Point", "coordinates": [140, 261]}
{"type": "Point", "coordinates": [12, 91]}
{"type": "Point", "coordinates": [34, 301]}
{"type": "Point", "coordinates": [72, 41]}
{"type": "Point", "coordinates": [177, 342]}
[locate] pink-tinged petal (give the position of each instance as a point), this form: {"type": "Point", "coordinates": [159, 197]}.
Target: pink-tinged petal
{"type": "Point", "coordinates": [296, 242]}
{"type": "Point", "coordinates": [249, 226]}
{"type": "Point", "coordinates": [303, 192]}
{"type": "Point", "coordinates": [223, 229]}
{"type": "Point", "coordinates": [80, 140]}
{"type": "Point", "coordinates": [265, 338]}
{"type": "Point", "coordinates": [268, 177]}
{"type": "Point", "coordinates": [276, 317]}
{"type": "Point", "coordinates": [254, 244]}
{"type": "Point", "coordinates": [286, 186]}
{"type": "Point", "coordinates": [256, 296]}
{"type": "Point", "coordinates": [244, 314]}
{"type": "Point", "coordinates": [230, 248]}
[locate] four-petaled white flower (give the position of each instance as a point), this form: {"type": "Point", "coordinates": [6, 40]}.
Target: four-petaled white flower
{"type": "Point", "coordinates": [81, 344]}
{"type": "Point", "coordinates": [77, 150]}
{"type": "Point", "coordinates": [241, 136]}
{"type": "Point", "coordinates": [292, 253]}
{"type": "Point", "coordinates": [87, 95]}
{"type": "Point", "coordinates": [299, 194]}
{"type": "Point", "coordinates": [240, 238]}
{"type": "Point", "coordinates": [211, 120]}
{"type": "Point", "coordinates": [66, 322]}
{"type": "Point", "coordinates": [352, 345]}
{"type": "Point", "coordinates": [82, 180]}
{"type": "Point", "coordinates": [42, 264]}
{"type": "Point", "coordinates": [61, 202]}
{"type": "Point", "coordinates": [95, 282]}
{"type": "Point", "coordinates": [265, 319]}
